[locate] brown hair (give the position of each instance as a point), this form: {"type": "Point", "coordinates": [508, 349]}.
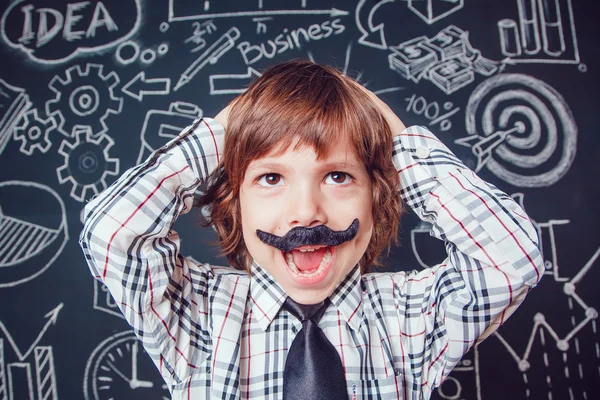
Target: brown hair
{"type": "Point", "coordinates": [307, 104]}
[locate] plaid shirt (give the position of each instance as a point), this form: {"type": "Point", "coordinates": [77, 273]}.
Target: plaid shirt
{"type": "Point", "coordinates": [215, 332]}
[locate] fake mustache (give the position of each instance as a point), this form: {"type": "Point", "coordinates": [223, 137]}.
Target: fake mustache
{"type": "Point", "coordinates": [301, 236]}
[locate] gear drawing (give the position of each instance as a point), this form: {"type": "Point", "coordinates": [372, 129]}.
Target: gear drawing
{"type": "Point", "coordinates": [34, 132]}
{"type": "Point", "coordinates": [87, 163]}
{"type": "Point", "coordinates": [85, 98]}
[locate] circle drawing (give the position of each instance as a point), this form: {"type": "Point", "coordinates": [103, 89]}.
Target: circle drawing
{"type": "Point", "coordinates": [148, 56]}
{"type": "Point", "coordinates": [539, 135]}
{"type": "Point", "coordinates": [123, 47]}
{"type": "Point", "coordinates": [163, 48]}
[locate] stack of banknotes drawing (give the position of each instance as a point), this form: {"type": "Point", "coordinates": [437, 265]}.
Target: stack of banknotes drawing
{"type": "Point", "coordinates": [448, 60]}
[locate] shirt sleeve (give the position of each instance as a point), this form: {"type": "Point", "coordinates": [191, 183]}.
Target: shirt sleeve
{"type": "Point", "coordinates": [129, 246]}
{"type": "Point", "coordinates": [493, 255]}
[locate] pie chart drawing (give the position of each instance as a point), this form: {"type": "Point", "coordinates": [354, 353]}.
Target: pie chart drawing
{"type": "Point", "coordinates": [33, 230]}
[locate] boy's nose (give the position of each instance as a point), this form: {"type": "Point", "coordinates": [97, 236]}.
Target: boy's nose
{"type": "Point", "coordinates": [305, 207]}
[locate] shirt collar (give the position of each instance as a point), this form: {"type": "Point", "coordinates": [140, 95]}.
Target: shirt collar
{"type": "Point", "coordinates": [267, 297]}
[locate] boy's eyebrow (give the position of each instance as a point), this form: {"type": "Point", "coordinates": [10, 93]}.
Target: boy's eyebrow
{"type": "Point", "coordinates": [327, 165]}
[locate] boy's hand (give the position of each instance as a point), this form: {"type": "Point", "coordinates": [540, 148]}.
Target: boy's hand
{"type": "Point", "coordinates": [396, 125]}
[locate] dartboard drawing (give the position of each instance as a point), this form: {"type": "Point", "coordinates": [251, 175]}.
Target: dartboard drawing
{"type": "Point", "coordinates": [521, 129]}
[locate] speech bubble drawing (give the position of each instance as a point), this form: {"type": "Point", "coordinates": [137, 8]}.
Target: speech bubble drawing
{"type": "Point", "coordinates": [54, 32]}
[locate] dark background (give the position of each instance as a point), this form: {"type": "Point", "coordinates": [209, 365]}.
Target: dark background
{"type": "Point", "coordinates": [80, 118]}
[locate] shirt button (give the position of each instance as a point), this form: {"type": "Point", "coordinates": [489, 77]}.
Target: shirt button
{"type": "Point", "coordinates": [422, 152]}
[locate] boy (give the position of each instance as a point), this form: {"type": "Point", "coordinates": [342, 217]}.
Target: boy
{"type": "Point", "coordinates": [304, 197]}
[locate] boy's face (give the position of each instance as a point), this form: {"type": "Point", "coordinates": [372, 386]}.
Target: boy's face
{"type": "Point", "coordinates": [295, 189]}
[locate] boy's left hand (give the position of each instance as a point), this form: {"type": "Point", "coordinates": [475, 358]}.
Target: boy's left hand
{"type": "Point", "coordinates": [396, 125]}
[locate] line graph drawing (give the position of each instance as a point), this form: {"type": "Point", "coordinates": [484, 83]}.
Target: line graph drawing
{"type": "Point", "coordinates": [521, 129]}
{"type": "Point", "coordinates": [28, 246]}
{"type": "Point", "coordinates": [547, 333]}
{"type": "Point", "coordinates": [540, 323]}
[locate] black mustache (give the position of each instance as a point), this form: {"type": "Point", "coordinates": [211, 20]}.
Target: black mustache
{"type": "Point", "coordinates": [301, 236]}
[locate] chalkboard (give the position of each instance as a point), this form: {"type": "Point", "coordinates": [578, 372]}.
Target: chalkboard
{"type": "Point", "coordinates": [90, 88]}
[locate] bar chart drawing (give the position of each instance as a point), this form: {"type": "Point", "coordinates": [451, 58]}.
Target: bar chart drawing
{"type": "Point", "coordinates": [544, 33]}
{"type": "Point", "coordinates": [16, 377]}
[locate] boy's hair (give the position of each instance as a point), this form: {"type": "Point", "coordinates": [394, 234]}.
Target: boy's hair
{"type": "Point", "coordinates": [302, 103]}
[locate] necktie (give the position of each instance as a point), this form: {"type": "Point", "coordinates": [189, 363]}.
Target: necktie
{"type": "Point", "coordinates": [313, 369]}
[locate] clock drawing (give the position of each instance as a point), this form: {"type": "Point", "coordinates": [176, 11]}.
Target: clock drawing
{"type": "Point", "coordinates": [120, 369]}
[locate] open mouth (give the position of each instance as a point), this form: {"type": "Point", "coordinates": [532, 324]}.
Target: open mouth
{"type": "Point", "coordinates": [309, 264]}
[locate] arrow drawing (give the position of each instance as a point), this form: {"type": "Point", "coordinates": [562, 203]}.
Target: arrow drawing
{"type": "Point", "coordinates": [333, 12]}
{"type": "Point", "coordinates": [232, 83]}
{"type": "Point", "coordinates": [52, 317]}
{"type": "Point", "coordinates": [374, 36]}
{"type": "Point", "coordinates": [139, 86]}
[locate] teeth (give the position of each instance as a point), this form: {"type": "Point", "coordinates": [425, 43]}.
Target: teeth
{"type": "Point", "coordinates": [310, 249]}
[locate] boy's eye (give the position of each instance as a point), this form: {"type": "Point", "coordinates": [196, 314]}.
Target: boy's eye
{"type": "Point", "coordinates": [338, 178]}
{"type": "Point", "coordinates": [270, 180]}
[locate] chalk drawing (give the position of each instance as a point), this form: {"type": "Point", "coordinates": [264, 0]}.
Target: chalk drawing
{"type": "Point", "coordinates": [464, 381]}
{"type": "Point", "coordinates": [163, 27]}
{"type": "Point", "coordinates": [432, 11]}
{"type": "Point", "coordinates": [163, 48]}
{"type": "Point", "coordinates": [289, 40]}
{"type": "Point", "coordinates": [541, 327]}
{"type": "Point", "coordinates": [27, 246]}
{"type": "Point", "coordinates": [103, 300]}
{"type": "Point", "coordinates": [87, 163]}
{"type": "Point", "coordinates": [84, 98]}
{"type": "Point", "coordinates": [140, 86]}
{"type": "Point", "coordinates": [211, 55]}
{"type": "Point", "coordinates": [539, 320]}
{"type": "Point", "coordinates": [14, 103]}
{"type": "Point", "coordinates": [519, 126]}
{"type": "Point", "coordinates": [34, 132]}
{"type": "Point", "coordinates": [544, 33]}
{"type": "Point", "coordinates": [120, 368]}
{"type": "Point", "coordinates": [160, 126]}
{"type": "Point", "coordinates": [45, 374]}
{"type": "Point", "coordinates": [261, 27]}
{"type": "Point", "coordinates": [232, 83]}
{"type": "Point", "coordinates": [124, 47]}
{"type": "Point", "coordinates": [447, 60]}
{"type": "Point", "coordinates": [371, 35]}
{"type": "Point", "coordinates": [148, 56]}
{"type": "Point", "coordinates": [198, 36]}
{"type": "Point", "coordinates": [100, 19]}
{"type": "Point", "coordinates": [182, 10]}
{"type": "Point", "coordinates": [431, 111]}
{"type": "Point", "coordinates": [22, 355]}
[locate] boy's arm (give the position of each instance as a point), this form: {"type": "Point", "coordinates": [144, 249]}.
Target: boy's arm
{"type": "Point", "coordinates": [130, 247]}
{"type": "Point", "coordinates": [493, 256]}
